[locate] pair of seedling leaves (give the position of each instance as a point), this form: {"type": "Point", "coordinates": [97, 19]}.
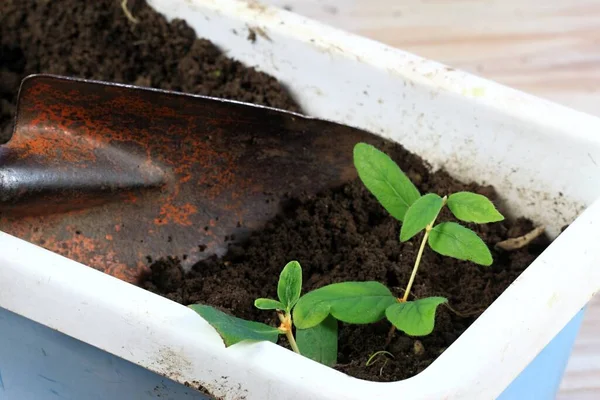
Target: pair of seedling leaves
{"type": "Point", "coordinates": [314, 314]}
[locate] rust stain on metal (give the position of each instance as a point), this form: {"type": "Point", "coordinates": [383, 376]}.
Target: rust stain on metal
{"type": "Point", "coordinates": [174, 214]}
{"type": "Point", "coordinates": [108, 175]}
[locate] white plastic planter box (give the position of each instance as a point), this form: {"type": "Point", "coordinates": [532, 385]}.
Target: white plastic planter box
{"type": "Point", "coordinates": [72, 332]}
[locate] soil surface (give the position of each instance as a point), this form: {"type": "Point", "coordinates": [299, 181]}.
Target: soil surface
{"type": "Point", "coordinates": [95, 40]}
{"type": "Point", "coordinates": [344, 234]}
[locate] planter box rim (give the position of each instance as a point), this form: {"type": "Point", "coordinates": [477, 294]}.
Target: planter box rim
{"type": "Point", "coordinates": [173, 341]}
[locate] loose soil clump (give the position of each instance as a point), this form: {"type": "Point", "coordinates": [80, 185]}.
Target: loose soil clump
{"type": "Point", "coordinates": [95, 40]}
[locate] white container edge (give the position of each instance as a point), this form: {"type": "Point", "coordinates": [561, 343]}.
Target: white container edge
{"type": "Point", "coordinates": [447, 116]}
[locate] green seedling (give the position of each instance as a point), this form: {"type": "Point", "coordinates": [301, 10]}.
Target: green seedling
{"type": "Point", "coordinates": [371, 359]}
{"type": "Point", "coordinates": [288, 291]}
{"type": "Point", "coordinates": [315, 315]}
{"type": "Point", "coordinates": [368, 302]}
{"type": "Point", "coordinates": [318, 343]}
{"type": "Point", "coordinates": [379, 354]}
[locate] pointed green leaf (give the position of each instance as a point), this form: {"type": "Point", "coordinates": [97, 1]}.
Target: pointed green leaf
{"type": "Point", "coordinates": [472, 207]}
{"type": "Point", "coordinates": [310, 313]}
{"type": "Point", "coordinates": [234, 330]}
{"type": "Point", "coordinates": [268, 304]}
{"type": "Point", "coordinates": [352, 302]}
{"type": "Point", "coordinates": [453, 240]}
{"type": "Point", "coordinates": [290, 285]}
{"type": "Point", "coordinates": [420, 214]}
{"type": "Point", "coordinates": [415, 318]}
{"type": "Point", "coordinates": [385, 180]}
{"type": "Point", "coordinates": [320, 343]}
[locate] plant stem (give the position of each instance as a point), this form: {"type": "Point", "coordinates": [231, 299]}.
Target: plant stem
{"type": "Point", "coordinates": [286, 325]}
{"type": "Point", "coordinates": [417, 262]}
{"type": "Point", "coordinates": [428, 229]}
{"type": "Point", "coordinates": [290, 337]}
{"type": "Point", "coordinates": [390, 336]}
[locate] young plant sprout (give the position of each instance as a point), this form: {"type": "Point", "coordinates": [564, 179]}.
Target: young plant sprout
{"type": "Point", "coordinates": [384, 354]}
{"type": "Point", "coordinates": [318, 343]}
{"type": "Point", "coordinates": [368, 302]}
{"type": "Point", "coordinates": [316, 313]}
{"type": "Point", "coordinates": [288, 291]}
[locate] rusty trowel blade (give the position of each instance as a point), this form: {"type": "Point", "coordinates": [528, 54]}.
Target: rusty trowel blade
{"type": "Point", "coordinates": [112, 175]}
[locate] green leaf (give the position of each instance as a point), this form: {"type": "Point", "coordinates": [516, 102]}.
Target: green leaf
{"type": "Point", "coordinates": [385, 180]}
{"type": "Point", "coordinates": [320, 343]}
{"type": "Point", "coordinates": [352, 302]}
{"type": "Point", "coordinates": [472, 207]}
{"type": "Point", "coordinates": [453, 240]}
{"type": "Point", "coordinates": [420, 214]}
{"type": "Point", "coordinates": [415, 318]}
{"type": "Point", "coordinates": [290, 285]}
{"type": "Point", "coordinates": [268, 304]}
{"type": "Point", "coordinates": [234, 330]}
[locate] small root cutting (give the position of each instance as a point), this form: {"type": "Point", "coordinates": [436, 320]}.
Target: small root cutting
{"type": "Point", "coordinates": [128, 13]}
{"type": "Point", "coordinates": [464, 314]}
{"type": "Point", "coordinates": [521, 241]}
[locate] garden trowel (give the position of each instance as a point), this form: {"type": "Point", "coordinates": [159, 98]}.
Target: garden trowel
{"type": "Point", "coordinates": [114, 176]}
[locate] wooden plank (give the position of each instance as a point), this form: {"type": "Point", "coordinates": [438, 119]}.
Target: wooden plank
{"type": "Point", "coordinates": [550, 48]}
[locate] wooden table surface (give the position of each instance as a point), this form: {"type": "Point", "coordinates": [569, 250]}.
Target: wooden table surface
{"type": "Point", "coordinates": [550, 48]}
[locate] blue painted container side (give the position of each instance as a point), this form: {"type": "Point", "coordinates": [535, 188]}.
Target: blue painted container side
{"type": "Point", "coordinates": [541, 379]}
{"type": "Point", "coordinates": [38, 363]}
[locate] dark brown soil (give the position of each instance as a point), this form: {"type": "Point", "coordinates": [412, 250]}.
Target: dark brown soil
{"type": "Point", "coordinates": [94, 39]}
{"type": "Point", "coordinates": [344, 234]}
